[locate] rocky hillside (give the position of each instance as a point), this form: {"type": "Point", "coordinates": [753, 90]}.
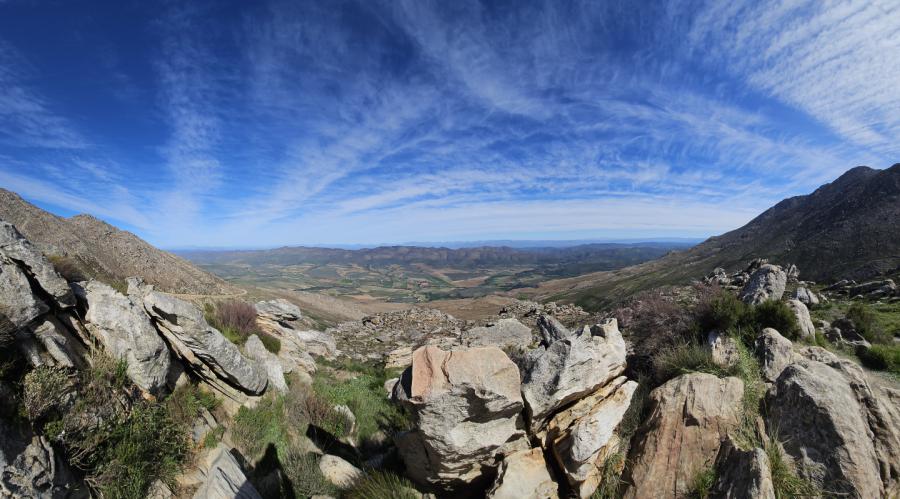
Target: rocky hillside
{"type": "Point", "coordinates": [100, 250]}
{"type": "Point", "coordinates": [715, 391]}
{"type": "Point", "coordinates": [845, 229]}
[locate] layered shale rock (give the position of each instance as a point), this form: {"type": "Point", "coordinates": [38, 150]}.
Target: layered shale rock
{"type": "Point", "coordinates": [200, 345]}
{"type": "Point", "coordinates": [689, 417]}
{"type": "Point", "coordinates": [582, 437]}
{"type": "Point", "coordinates": [17, 249]}
{"type": "Point", "coordinates": [224, 478]}
{"type": "Point", "coordinates": [125, 331]}
{"type": "Point", "coordinates": [571, 368]}
{"type": "Point", "coordinates": [466, 406]}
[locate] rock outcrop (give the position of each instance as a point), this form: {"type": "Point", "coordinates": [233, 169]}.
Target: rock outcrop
{"type": "Point", "coordinates": [582, 437]}
{"type": "Point", "coordinates": [807, 330]}
{"type": "Point", "coordinates": [774, 352]}
{"type": "Point", "coordinates": [766, 283]}
{"type": "Point", "coordinates": [689, 417]}
{"type": "Point", "coordinates": [279, 311]}
{"type": "Point", "coordinates": [35, 472]}
{"type": "Point", "coordinates": [806, 296]}
{"type": "Point", "coordinates": [844, 438]}
{"type": "Point", "coordinates": [723, 348]}
{"type": "Point", "coordinates": [524, 475]}
{"type": "Point", "coordinates": [571, 368]}
{"type": "Point", "coordinates": [257, 351]}
{"type": "Point", "coordinates": [503, 333]}
{"type": "Point", "coordinates": [125, 331]}
{"type": "Point", "coordinates": [466, 407]}
{"type": "Point", "coordinates": [225, 479]}
{"type": "Point", "coordinates": [742, 474]}
{"type": "Point", "coordinates": [200, 345]}
{"type": "Point", "coordinates": [338, 471]}
{"type": "Point", "coordinates": [19, 250]}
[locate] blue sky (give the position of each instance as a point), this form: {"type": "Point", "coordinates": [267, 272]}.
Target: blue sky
{"type": "Point", "coordinates": [252, 124]}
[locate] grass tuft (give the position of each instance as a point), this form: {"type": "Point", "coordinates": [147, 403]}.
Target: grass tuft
{"type": "Point", "coordinates": [382, 485]}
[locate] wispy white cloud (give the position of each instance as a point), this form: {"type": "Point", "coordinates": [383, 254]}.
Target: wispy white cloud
{"type": "Point", "coordinates": [303, 122]}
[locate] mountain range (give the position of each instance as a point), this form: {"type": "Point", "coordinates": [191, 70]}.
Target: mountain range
{"type": "Point", "coordinates": [849, 228]}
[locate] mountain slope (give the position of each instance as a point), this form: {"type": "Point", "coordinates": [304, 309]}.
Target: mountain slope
{"type": "Point", "coordinates": [847, 228]}
{"type": "Point", "coordinates": [106, 252]}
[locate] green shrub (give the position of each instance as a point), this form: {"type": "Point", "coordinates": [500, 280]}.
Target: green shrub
{"type": "Point", "coordinates": [145, 446]}
{"type": "Point", "coordinates": [702, 483]}
{"type": "Point", "coordinates": [882, 357]}
{"type": "Point", "coordinates": [121, 445]}
{"type": "Point", "coordinates": [866, 323]}
{"type": "Point", "coordinates": [185, 402]}
{"type": "Point", "coordinates": [776, 315]}
{"type": "Point", "coordinates": [44, 389]}
{"type": "Point", "coordinates": [213, 437]}
{"type": "Point", "coordinates": [723, 312]}
{"type": "Point", "coordinates": [302, 471]}
{"type": "Point", "coordinates": [381, 485]}
{"type": "Point", "coordinates": [256, 428]}
{"type": "Point", "coordinates": [610, 477]}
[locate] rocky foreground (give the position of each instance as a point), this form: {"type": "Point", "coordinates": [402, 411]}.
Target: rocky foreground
{"type": "Point", "coordinates": [524, 405]}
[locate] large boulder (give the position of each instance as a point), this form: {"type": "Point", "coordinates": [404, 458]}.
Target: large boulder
{"type": "Point", "coordinates": [278, 310]}
{"type": "Point", "coordinates": [225, 479]}
{"type": "Point", "coordinates": [17, 249]}
{"type": "Point", "coordinates": [59, 343]}
{"type": "Point", "coordinates": [571, 368]}
{"type": "Point", "coordinates": [774, 352]}
{"type": "Point", "coordinates": [742, 474]}
{"type": "Point", "coordinates": [202, 346]}
{"type": "Point", "coordinates": [125, 331]}
{"type": "Point", "coordinates": [274, 370]}
{"type": "Point", "coordinates": [766, 283]}
{"type": "Point", "coordinates": [582, 437]}
{"type": "Point", "coordinates": [466, 406]}
{"type": "Point", "coordinates": [806, 296]}
{"type": "Point", "coordinates": [18, 303]}
{"type": "Point", "coordinates": [551, 329]}
{"type": "Point", "coordinates": [843, 437]}
{"type": "Point", "coordinates": [316, 342]}
{"type": "Point", "coordinates": [723, 348]}
{"type": "Point", "coordinates": [524, 475]}
{"type": "Point", "coordinates": [504, 333]}
{"type": "Point", "coordinates": [807, 329]}
{"type": "Point", "coordinates": [34, 471]}
{"type": "Point", "coordinates": [338, 471]}
{"type": "Point", "coordinates": [689, 417]}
